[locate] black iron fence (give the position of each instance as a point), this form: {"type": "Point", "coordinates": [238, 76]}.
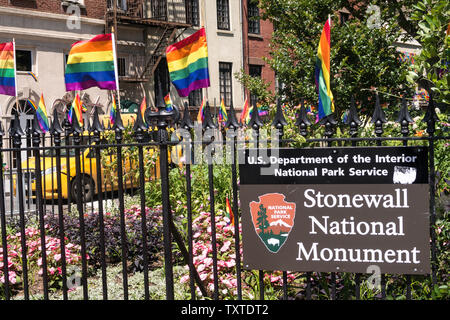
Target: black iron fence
{"type": "Point", "coordinates": [58, 192]}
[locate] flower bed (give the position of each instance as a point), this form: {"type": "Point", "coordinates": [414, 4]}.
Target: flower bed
{"type": "Point", "coordinates": [34, 258]}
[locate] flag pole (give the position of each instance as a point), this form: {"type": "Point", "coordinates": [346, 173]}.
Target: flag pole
{"type": "Point", "coordinates": [116, 74]}
{"type": "Point", "coordinates": [15, 79]}
{"type": "Point", "coordinates": [203, 6]}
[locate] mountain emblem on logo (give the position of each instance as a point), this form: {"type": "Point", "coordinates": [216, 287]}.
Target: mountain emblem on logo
{"type": "Point", "coordinates": [273, 219]}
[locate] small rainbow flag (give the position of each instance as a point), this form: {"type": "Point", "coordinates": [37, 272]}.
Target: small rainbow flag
{"type": "Point", "coordinates": [142, 110]}
{"type": "Point", "coordinates": [168, 102]}
{"type": "Point", "coordinates": [187, 61]}
{"type": "Point", "coordinates": [92, 64]}
{"type": "Point", "coordinates": [7, 69]}
{"type": "Point", "coordinates": [76, 107]}
{"type": "Point", "coordinates": [41, 113]}
{"type": "Point", "coordinates": [322, 73]}
{"type": "Point", "coordinates": [113, 112]}
{"type": "Point", "coordinates": [229, 212]}
{"type": "Point", "coordinates": [201, 111]}
{"type": "Point", "coordinates": [32, 75]}
{"type": "Point", "coordinates": [222, 112]}
{"type": "Point", "coordinates": [245, 111]}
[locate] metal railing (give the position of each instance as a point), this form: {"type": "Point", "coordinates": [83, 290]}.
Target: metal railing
{"type": "Point", "coordinates": [88, 168]}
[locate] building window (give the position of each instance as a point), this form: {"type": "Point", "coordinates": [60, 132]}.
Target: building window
{"type": "Point", "coordinates": [159, 9]}
{"type": "Point", "coordinates": [223, 15]}
{"type": "Point", "coordinates": [254, 71]}
{"type": "Point", "coordinates": [121, 70]}
{"type": "Point", "coordinates": [192, 12]}
{"type": "Point", "coordinates": [24, 60]}
{"type": "Point", "coordinates": [226, 91]}
{"type": "Point", "coordinates": [253, 17]}
{"type": "Point", "coordinates": [195, 98]}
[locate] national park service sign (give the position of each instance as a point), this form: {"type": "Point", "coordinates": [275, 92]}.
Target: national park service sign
{"type": "Point", "coordinates": [336, 209]}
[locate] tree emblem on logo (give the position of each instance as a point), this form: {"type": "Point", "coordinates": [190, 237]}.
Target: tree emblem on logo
{"type": "Point", "coordinates": [273, 219]}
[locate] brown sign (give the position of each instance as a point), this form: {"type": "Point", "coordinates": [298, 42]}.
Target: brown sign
{"type": "Point", "coordinates": [336, 227]}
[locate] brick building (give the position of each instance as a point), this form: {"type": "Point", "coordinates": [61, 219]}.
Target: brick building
{"type": "Point", "coordinates": [256, 39]}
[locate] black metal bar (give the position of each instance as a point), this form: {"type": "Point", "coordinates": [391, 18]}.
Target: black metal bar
{"type": "Point", "coordinates": [123, 235]}
{"type": "Point", "coordinates": [67, 131]}
{"type": "Point", "coordinates": [213, 230]}
{"type": "Point", "coordinates": [56, 131]}
{"type": "Point", "coordinates": [236, 216]}
{"type": "Point", "coordinates": [285, 291]}
{"type": "Point", "coordinates": [17, 133]}
{"type": "Point", "coordinates": [431, 118]}
{"type": "Point", "coordinates": [190, 232]}
{"type": "Point", "coordinates": [308, 285]}
{"type": "Point", "coordinates": [3, 220]}
{"type": "Point", "coordinates": [140, 129]}
{"type": "Point", "coordinates": [261, 284]}
{"type": "Point", "coordinates": [79, 201]}
{"type": "Point", "coordinates": [39, 204]}
{"type": "Point", "coordinates": [166, 217]}
{"type": "Point", "coordinates": [97, 129]}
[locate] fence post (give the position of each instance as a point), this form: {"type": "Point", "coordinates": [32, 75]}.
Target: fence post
{"type": "Point", "coordinates": [77, 131]}
{"type": "Point", "coordinates": [255, 123]}
{"type": "Point", "coordinates": [36, 134]}
{"type": "Point", "coordinates": [139, 129]}
{"type": "Point", "coordinates": [234, 125]}
{"type": "Point", "coordinates": [3, 218]}
{"type": "Point", "coordinates": [55, 131]}
{"type": "Point", "coordinates": [97, 129]}
{"type": "Point", "coordinates": [118, 130]}
{"type": "Point", "coordinates": [186, 124]}
{"type": "Point", "coordinates": [354, 122]}
{"type": "Point", "coordinates": [430, 118]}
{"type": "Point", "coordinates": [162, 116]}
{"type": "Point", "coordinates": [405, 119]}
{"type": "Point", "coordinates": [17, 133]}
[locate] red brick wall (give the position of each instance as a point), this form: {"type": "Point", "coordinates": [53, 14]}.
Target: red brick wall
{"type": "Point", "coordinates": [257, 47]}
{"type": "Point", "coordinates": [94, 8]}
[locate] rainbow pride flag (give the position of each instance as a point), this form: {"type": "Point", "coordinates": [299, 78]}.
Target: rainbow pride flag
{"type": "Point", "coordinates": [168, 102]}
{"type": "Point", "coordinates": [142, 109]}
{"type": "Point", "coordinates": [32, 75]}
{"type": "Point", "coordinates": [187, 61]}
{"type": "Point", "coordinates": [76, 107]}
{"type": "Point", "coordinates": [92, 64]}
{"type": "Point", "coordinates": [229, 212]}
{"type": "Point", "coordinates": [201, 111]}
{"type": "Point", "coordinates": [113, 112]}
{"type": "Point", "coordinates": [222, 112]}
{"type": "Point", "coordinates": [7, 69]}
{"type": "Point", "coordinates": [322, 73]}
{"type": "Point", "coordinates": [41, 113]}
{"type": "Point", "coordinates": [245, 112]}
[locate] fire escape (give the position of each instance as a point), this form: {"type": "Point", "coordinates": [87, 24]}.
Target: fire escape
{"type": "Point", "coordinates": [163, 17]}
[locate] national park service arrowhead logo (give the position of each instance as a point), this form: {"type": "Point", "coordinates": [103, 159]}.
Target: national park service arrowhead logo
{"type": "Point", "coordinates": [273, 219]}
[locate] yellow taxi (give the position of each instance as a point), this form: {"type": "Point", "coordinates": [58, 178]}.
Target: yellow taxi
{"type": "Point", "coordinates": [88, 170]}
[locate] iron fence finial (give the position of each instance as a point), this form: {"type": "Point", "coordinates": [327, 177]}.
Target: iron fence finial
{"type": "Point", "coordinates": [232, 121]}
{"type": "Point", "coordinates": [255, 120]}
{"type": "Point", "coordinates": [186, 121]}
{"type": "Point", "coordinates": [302, 120]}
{"type": "Point", "coordinates": [279, 121]}
{"type": "Point", "coordinates": [55, 127]}
{"type": "Point", "coordinates": [208, 122]}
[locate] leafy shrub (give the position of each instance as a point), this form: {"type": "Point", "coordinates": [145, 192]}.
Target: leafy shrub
{"type": "Point", "coordinates": [113, 239]}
